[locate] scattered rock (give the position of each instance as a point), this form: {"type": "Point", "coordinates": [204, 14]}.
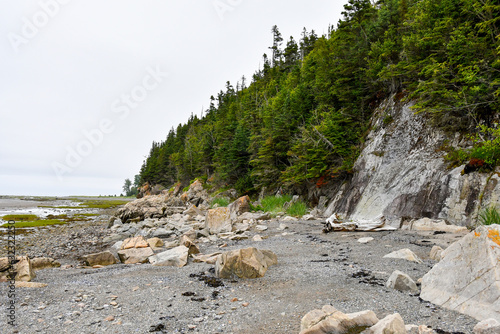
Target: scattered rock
{"type": "Point", "coordinates": [218, 221]}
{"type": "Point", "coordinates": [290, 219]}
{"type": "Point", "coordinates": [186, 241]}
{"type": "Point", "coordinates": [193, 211]}
{"type": "Point", "coordinates": [39, 263]}
{"type": "Point", "coordinates": [436, 253]}
{"type": "Point", "coordinates": [244, 263]}
{"type": "Point", "coordinates": [392, 324]}
{"type": "Point", "coordinates": [241, 227]}
{"type": "Point", "coordinates": [22, 268]}
{"type": "Point", "coordinates": [404, 254]}
{"type": "Point", "coordinates": [330, 320]}
{"type": "Point", "coordinates": [412, 329]}
{"type": "Point", "coordinates": [257, 238]}
{"type": "Point", "coordinates": [282, 227]}
{"type": "Point", "coordinates": [488, 326]}
{"type": "Point", "coordinates": [207, 258]}
{"type": "Point", "coordinates": [423, 329]}
{"type": "Point", "coordinates": [155, 242]}
{"type": "Point", "coordinates": [238, 207]}
{"type": "Point", "coordinates": [261, 228]}
{"type": "Point", "coordinates": [135, 242]}
{"type": "Point", "coordinates": [162, 233]}
{"type": "Point", "coordinates": [177, 257]}
{"type": "Point", "coordinates": [365, 240]}
{"type": "Point", "coordinates": [401, 282]}
{"type": "Point", "coordinates": [254, 215]}
{"type": "Point", "coordinates": [473, 291]}
{"type": "Point", "coordinates": [102, 259]}
{"type": "Point", "coordinates": [22, 284]}
{"type": "Point", "coordinates": [135, 255]}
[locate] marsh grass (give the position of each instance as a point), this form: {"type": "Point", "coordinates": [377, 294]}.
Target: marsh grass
{"type": "Point", "coordinates": [90, 204]}
{"type": "Point", "coordinates": [36, 223]}
{"type": "Point", "coordinates": [23, 218]}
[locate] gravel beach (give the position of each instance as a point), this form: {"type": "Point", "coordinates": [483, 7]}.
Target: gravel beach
{"type": "Point", "coordinates": [314, 269]}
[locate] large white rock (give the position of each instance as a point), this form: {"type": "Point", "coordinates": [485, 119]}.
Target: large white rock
{"type": "Point", "coordinates": [176, 257]}
{"type": "Point", "coordinates": [467, 279]}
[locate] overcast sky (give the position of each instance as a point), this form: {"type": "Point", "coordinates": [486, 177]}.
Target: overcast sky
{"type": "Point", "coordinates": [87, 86]}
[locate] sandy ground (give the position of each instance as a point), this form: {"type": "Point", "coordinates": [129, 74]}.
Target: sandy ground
{"type": "Point", "coordinates": [314, 269]}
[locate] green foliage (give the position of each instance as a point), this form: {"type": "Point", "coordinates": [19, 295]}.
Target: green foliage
{"type": "Point", "coordinates": [20, 218]}
{"type": "Point", "coordinates": [486, 148]}
{"type": "Point", "coordinates": [489, 216]}
{"type": "Point", "coordinates": [304, 115]}
{"type": "Point", "coordinates": [487, 145]}
{"type": "Point", "coordinates": [255, 208]}
{"type": "Point", "coordinates": [297, 209]}
{"type": "Point", "coordinates": [221, 201]}
{"type": "Point", "coordinates": [388, 119]}
{"type": "Point", "coordinates": [128, 189]}
{"type": "Point", "coordinates": [274, 204]}
{"type": "Point", "coordinates": [457, 157]}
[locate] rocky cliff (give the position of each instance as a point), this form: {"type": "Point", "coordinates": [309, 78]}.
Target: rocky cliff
{"type": "Point", "coordinates": [401, 174]}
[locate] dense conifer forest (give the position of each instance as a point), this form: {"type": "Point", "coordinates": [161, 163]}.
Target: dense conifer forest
{"type": "Point", "coordinates": [302, 118]}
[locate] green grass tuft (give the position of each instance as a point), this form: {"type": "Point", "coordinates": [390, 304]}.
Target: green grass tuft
{"type": "Point", "coordinates": [274, 204]}
{"type": "Point", "coordinates": [222, 201]}
{"type": "Point", "coordinates": [297, 209]}
{"type": "Point", "coordinates": [489, 216]}
{"type": "Point", "coordinates": [23, 218]}
{"type": "Point", "coordinates": [36, 223]}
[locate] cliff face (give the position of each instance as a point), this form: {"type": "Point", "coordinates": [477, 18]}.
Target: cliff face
{"type": "Point", "coordinates": [401, 175]}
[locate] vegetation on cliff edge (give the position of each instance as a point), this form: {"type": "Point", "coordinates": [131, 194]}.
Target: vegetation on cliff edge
{"type": "Point", "coordinates": [303, 116]}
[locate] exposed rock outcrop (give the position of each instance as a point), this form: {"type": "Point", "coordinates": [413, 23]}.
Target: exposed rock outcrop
{"type": "Point", "coordinates": [401, 174]}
